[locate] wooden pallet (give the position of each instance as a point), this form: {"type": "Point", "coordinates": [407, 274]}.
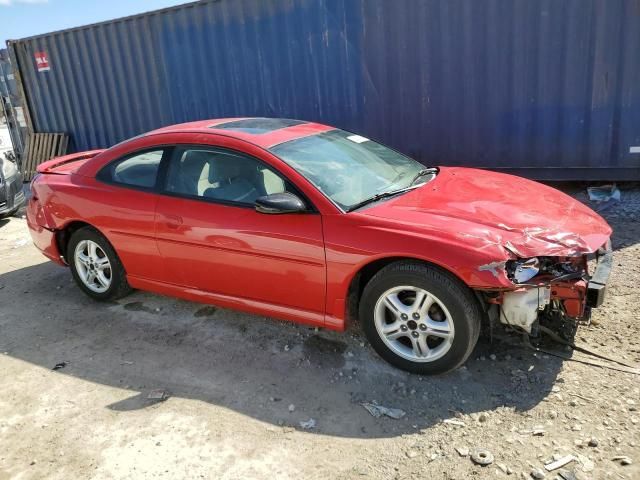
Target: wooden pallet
{"type": "Point", "coordinates": [42, 147]}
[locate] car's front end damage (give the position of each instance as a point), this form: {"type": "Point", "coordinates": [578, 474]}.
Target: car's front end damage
{"type": "Point", "coordinates": [531, 253]}
{"type": "Point", "coordinates": [556, 291]}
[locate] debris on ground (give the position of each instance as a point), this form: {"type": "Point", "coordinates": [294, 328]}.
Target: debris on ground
{"type": "Point", "coordinates": [309, 424]}
{"type": "Point", "coordinates": [451, 421]}
{"type": "Point", "coordinates": [462, 451]}
{"type": "Point", "coordinates": [482, 456]}
{"type": "Point", "coordinates": [60, 365]}
{"type": "Point", "coordinates": [561, 462]}
{"type": "Point", "coordinates": [292, 407]}
{"type": "Point", "coordinates": [604, 195]}
{"type": "Point", "coordinates": [567, 475]}
{"type": "Point", "coordinates": [158, 394]}
{"type": "Point", "coordinates": [623, 459]}
{"type": "Point", "coordinates": [378, 411]}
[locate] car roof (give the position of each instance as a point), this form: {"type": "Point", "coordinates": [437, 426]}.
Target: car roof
{"type": "Point", "coordinates": [264, 132]}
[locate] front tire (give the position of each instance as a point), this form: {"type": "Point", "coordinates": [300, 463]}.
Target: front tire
{"type": "Point", "coordinates": [95, 266]}
{"type": "Point", "coordinates": [420, 318]}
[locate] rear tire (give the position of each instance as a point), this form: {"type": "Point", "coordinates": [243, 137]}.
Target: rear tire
{"type": "Point", "coordinates": [95, 265]}
{"type": "Point", "coordinates": [420, 318]}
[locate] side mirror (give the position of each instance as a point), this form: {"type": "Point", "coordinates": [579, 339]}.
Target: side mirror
{"type": "Point", "coordinates": [280, 203]}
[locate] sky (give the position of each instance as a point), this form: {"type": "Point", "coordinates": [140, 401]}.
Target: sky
{"type": "Point", "coordinates": [24, 18]}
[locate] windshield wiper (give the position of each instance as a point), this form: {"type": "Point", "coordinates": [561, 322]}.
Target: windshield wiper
{"type": "Point", "coordinates": [380, 196]}
{"type": "Point", "coordinates": [391, 193]}
{"type": "Point", "coordinates": [422, 173]}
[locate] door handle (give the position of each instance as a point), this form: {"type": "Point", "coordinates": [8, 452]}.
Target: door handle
{"type": "Point", "coordinates": [173, 221]}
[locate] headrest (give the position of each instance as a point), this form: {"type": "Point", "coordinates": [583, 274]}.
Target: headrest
{"type": "Point", "coordinates": [193, 162]}
{"type": "Point", "coordinates": [225, 167]}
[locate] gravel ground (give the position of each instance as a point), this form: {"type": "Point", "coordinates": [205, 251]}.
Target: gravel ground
{"type": "Point", "coordinates": [238, 390]}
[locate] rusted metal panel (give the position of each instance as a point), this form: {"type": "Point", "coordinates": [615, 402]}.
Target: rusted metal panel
{"type": "Point", "coordinates": [547, 89]}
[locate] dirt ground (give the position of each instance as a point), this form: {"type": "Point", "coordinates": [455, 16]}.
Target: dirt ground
{"type": "Point", "coordinates": [238, 387]}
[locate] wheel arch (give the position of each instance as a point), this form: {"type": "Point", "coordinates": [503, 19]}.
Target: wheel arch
{"type": "Point", "coordinates": [365, 273]}
{"type": "Point", "coordinates": [64, 234]}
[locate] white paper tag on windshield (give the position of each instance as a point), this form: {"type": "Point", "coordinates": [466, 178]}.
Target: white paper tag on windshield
{"type": "Point", "coordinates": [357, 138]}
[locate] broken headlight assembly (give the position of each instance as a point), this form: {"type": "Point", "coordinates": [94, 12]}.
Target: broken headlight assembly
{"type": "Point", "coordinates": [545, 269]}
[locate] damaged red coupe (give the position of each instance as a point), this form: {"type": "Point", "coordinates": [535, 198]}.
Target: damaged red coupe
{"type": "Point", "coordinates": [309, 223]}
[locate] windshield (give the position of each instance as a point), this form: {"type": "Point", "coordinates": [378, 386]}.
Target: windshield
{"type": "Point", "coordinates": [348, 168]}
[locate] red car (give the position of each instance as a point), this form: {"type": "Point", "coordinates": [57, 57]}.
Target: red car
{"type": "Point", "coordinates": [313, 224]}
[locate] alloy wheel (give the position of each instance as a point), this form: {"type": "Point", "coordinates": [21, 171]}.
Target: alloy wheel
{"type": "Point", "coordinates": [414, 323]}
{"type": "Point", "coordinates": [93, 266]}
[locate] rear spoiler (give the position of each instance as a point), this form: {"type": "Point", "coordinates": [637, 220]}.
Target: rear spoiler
{"type": "Point", "coordinates": [50, 165]}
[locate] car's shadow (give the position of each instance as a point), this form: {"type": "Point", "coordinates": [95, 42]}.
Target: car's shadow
{"type": "Point", "coordinates": [255, 366]}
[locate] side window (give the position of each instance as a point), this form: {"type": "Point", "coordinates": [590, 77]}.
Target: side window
{"type": "Point", "coordinates": [138, 170]}
{"type": "Point", "coordinates": [221, 175]}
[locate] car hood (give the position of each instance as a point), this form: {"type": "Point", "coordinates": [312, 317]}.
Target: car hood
{"type": "Point", "coordinates": [484, 209]}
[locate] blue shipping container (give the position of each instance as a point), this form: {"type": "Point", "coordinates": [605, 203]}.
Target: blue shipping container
{"type": "Point", "coordinates": [548, 89]}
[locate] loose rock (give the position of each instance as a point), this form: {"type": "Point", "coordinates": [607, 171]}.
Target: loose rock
{"type": "Point", "coordinates": [412, 453]}
{"type": "Point", "coordinates": [623, 459]}
{"type": "Point", "coordinates": [462, 451]}
{"type": "Point", "coordinates": [537, 473]}
{"type": "Point", "coordinates": [587, 465]}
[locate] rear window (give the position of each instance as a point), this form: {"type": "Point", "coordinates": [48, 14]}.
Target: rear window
{"type": "Point", "coordinates": [137, 170]}
{"type": "Point", "coordinates": [258, 126]}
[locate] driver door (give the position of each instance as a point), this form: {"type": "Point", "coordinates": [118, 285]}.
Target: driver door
{"type": "Point", "coordinates": [212, 239]}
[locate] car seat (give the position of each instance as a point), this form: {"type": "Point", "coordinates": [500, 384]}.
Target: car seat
{"type": "Point", "coordinates": [233, 178]}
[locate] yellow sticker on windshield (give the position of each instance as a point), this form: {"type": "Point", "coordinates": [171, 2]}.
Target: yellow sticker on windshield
{"type": "Point", "coordinates": [357, 138]}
